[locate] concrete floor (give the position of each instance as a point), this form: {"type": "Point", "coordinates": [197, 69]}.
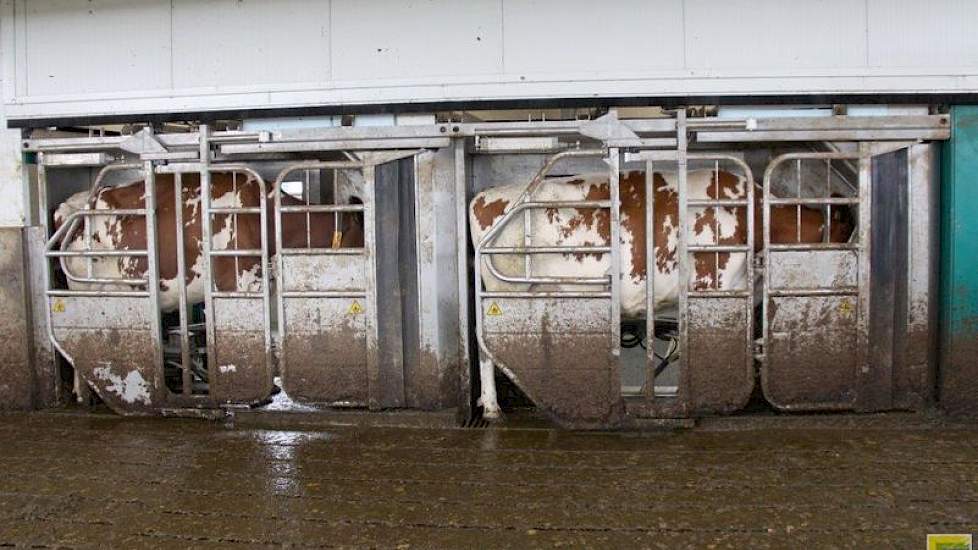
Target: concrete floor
{"type": "Point", "coordinates": [763, 482]}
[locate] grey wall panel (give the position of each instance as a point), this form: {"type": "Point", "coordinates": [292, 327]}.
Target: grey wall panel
{"type": "Point", "coordinates": [939, 33]}
{"type": "Point", "coordinates": [108, 57]}
{"type": "Point", "coordinates": [774, 35]}
{"type": "Point", "coordinates": [230, 43]}
{"type": "Point", "coordinates": [96, 46]}
{"type": "Point", "coordinates": [408, 40]}
{"type": "Point", "coordinates": [582, 36]}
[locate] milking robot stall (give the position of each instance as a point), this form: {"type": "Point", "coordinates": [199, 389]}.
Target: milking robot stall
{"type": "Point", "coordinates": [487, 265]}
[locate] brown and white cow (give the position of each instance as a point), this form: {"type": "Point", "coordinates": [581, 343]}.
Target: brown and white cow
{"type": "Point", "coordinates": [124, 232]}
{"type": "Point", "coordinates": [592, 227]}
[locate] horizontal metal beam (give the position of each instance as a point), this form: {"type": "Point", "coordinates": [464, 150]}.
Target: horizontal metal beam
{"type": "Point", "coordinates": [338, 145]}
{"type": "Point", "coordinates": [652, 133]}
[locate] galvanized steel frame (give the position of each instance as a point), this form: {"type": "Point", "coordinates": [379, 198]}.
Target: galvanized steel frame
{"type": "Point", "coordinates": [860, 248]}
{"type": "Point", "coordinates": [369, 292]}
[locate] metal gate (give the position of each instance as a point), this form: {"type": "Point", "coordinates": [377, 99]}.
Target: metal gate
{"type": "Point", "coordinates": [327, 303]}
{"type": "Point", "coordinates": [565, 342]}
{"type": "Point", "coordinates": [816, 295]}
{"type": "Point", "coordinates": [715, 319]}
{"type": "Point", "coordinates": [238, 320]}
{"type": "Point", "coordinates": [112, 337]}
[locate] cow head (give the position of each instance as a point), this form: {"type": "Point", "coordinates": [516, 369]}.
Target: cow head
{"type": "Point", "coordinates": [843, 222]}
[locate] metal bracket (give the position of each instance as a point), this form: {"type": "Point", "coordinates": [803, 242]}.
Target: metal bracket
{"type": "Point", "coordinates": [142, 142]}
{"type": "Point", "coordinates": [607, 128]}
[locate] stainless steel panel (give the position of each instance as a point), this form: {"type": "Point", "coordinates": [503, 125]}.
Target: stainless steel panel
{"type": "Point", "coordinates": [813, 269]}
{"type": "Point", "coordinates": [565, 316]}
{"type": "Point", "coordinates": [720, 364]}
{"type": "Point", "coordinates": [323, 272]}
{"type": "Point", "coordinates": [100, 312]}
{"type": "Point", "coordinates": [813, 353]}
{"type": "Point", "coordinates": [325, 350]}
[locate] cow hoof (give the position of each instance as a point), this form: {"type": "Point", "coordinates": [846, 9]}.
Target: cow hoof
{"type": "Point", "coordinates": [492, 415]}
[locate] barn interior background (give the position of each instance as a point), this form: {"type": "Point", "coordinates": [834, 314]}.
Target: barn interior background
{"type": "Point", "coordinates": [316, 94]}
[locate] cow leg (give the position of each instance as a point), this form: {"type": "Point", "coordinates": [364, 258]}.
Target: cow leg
{"type": "Point", "coordinates": [487, 380]}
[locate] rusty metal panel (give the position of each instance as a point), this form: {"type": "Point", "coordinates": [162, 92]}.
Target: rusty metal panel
{"type": "Point", "coordinates": [810, 269]}
{"type": "Point", "coordinates": [812, 352]}
{"type": "Point", "coordinates": [720, 365]}
{"type": "Point", "coordinates": [240, 371]}
{"type": "Point", "coordinates": [111, 342]}
{"type": "Point", "coordinates": [559, 352]}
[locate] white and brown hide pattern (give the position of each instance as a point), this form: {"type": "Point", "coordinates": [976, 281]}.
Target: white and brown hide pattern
{"type": "Point", "coordinates": [118, 232]}
{"type": "Point", "coordinates": [591, 227]}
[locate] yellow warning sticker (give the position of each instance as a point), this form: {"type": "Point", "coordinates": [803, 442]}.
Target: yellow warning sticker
{"type": "Point", "coordinates": [494, 309]}
{"type": "Point", "coordinates": [846, 308]}
{"type": "Point", "coordinates": [355, 308]}
{"type": "Point", "coordinates": [58, 306]}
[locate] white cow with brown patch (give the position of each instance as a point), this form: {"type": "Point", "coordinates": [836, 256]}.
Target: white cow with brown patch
{"type": "Point", "coordinates": [124, 232]}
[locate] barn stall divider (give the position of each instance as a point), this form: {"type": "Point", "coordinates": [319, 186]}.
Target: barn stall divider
{"type": "Point", "coordinates": [648, 266]}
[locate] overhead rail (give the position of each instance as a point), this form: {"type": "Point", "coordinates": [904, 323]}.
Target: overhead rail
{"type": "Point", "coordinates": [632, 133]}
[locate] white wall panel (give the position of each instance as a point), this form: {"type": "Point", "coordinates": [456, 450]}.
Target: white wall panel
{"type": "Point", "coordinates": [775, 34]}
{"type": "Point", "coordinates": [583, 36]}
{"type": "Point", "coordinates": [13, 181]}
{"type": "Point", "coordinates": [114, 57]}
{"type": "Point", "coordinates": [229, 43]}
{"type": "Point", "coordinates": [942, 33]}
{"type": "Point", "coordinates": [77, 47]}
{"type": "Point", "coordinates": [382, 40]}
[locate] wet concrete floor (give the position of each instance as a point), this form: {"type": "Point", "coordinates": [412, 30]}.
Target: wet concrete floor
{"type": "Point", "coordinates": [71, 480]}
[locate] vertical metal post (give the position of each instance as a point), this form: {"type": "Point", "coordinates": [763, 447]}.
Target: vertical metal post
{"type": "Point", "coordinates": [681, 167]}
{"type": "Point", "coordinates": [42, 215]}
{"type": "Point", "coordinates": [153, 273]}
{"type": "Point", "coordinates": [205, 231]}
{"type": "Point", "coordinates": [87, 230]}
{"type": "Point", "coordinates": [370, 250]}
{"type": "Point", "coordinates": [865, 259]}
{"type": "Point", "coordinates": [749, 265]}
{"type": "Point", "coordinates": [798, 196]}
{"type": "Point", "coordinates": [307, 195]}
{"type": "Point", "coordinates": [650, 270]}
{"type": "Point", "coordinates": [615, 256]}
{"type": "Point", "coordinates": [461, 240]}
{"type": "Point", "coordinates": [337, 216]}
{"type": "Point", "coordinates": [527, 241]}
{"type": "Point", "coordinates": [234, 229]}
{"type": "Point", "coordinates": [280, 281]}
{"type": "Point", "coordinates": [186, 381]}
{"type": "Point", "coordinates": [266, 277]}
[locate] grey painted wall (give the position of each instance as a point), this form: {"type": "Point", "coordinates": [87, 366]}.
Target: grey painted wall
{"type": "Point", "coordinates": [65, 57]}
